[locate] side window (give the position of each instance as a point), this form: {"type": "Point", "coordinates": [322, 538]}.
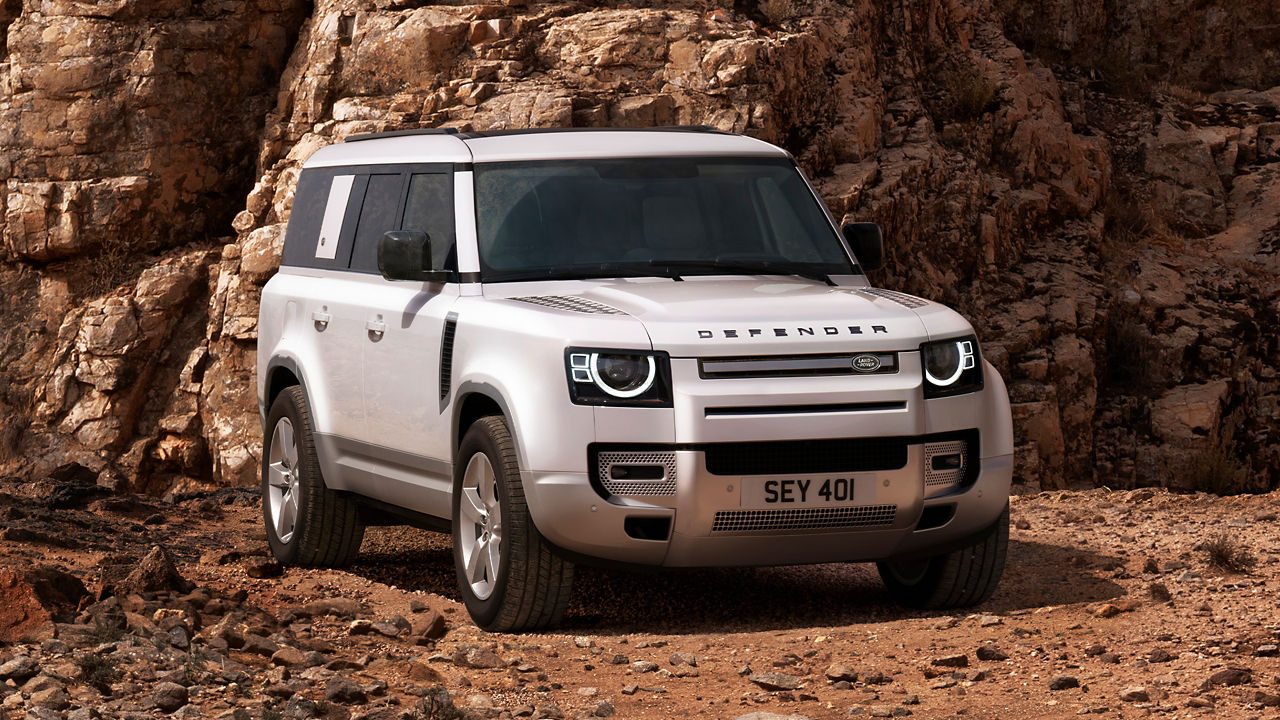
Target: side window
{"type": "Point", "coordinates": [378, 214]}
{"type": "Point", "coordinates": [429, 208]}
{"type": "Point", "coordinates": [310, 200]}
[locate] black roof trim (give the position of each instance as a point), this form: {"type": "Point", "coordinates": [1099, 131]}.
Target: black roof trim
{"type": "Point", "coordinates": [402, 133]}
{"type": "Point", "coordinates": [543, 131]}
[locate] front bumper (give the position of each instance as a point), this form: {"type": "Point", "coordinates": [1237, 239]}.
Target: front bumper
{"type": "Point", "coordinates": [706, 523]}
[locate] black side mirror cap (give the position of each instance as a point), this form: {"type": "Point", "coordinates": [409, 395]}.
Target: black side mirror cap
{"type": "Point", "coordinates": [867, 243]}
{"type": "Point", "coordinates": [406, 255]}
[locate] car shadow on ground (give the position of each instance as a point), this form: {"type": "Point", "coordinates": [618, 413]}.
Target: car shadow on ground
{"type": "Point", "coordinates": [722, 600]}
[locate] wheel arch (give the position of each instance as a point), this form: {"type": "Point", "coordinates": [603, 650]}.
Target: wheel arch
{"type": "Point", "coordinates": [475, 400]}
{"type": "Point", "coordinates": [282, 371]}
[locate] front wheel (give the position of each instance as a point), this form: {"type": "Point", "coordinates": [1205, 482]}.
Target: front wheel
{"type": "Point", "coordinates": [955, 579]}
{"type": "Point", "coordinates": [509, 578]}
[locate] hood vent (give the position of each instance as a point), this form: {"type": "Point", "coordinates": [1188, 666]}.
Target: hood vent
{"type": "Point", "coordinates": [570, 303]}
{"type": "Point", "coordinates": [903, 299]}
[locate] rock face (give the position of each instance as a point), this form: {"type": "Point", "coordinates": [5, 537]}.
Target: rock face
{"type": "Point", "coordinates": [1115, 247]}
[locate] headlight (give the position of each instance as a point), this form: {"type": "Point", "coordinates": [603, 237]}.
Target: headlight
{"type": "Point", "coordinates": [951, 367]}
{"type": "Point", "coordinates": [618, 377]}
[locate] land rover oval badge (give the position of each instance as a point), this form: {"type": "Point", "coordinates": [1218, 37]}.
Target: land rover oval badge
{"type": "Point", "coordinates": [866, 363]}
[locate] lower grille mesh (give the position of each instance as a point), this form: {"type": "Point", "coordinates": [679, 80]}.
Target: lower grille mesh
{"type": "Point", "coordinates": [729, 521]}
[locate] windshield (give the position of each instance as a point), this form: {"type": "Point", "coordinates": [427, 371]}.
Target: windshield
{"type": "Point", "coordinates": [652, 216]}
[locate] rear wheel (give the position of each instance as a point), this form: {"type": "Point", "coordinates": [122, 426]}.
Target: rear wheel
{"type": "Point", "coordinates": [509, 578]}
{"type": "Point", "coordinates": [306, 522]}
{"type": "Point", "coordinates": [959, 578]}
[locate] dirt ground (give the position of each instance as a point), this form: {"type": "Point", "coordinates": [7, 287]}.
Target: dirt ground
{"type": "Point", "coordinates": [1111, 604]}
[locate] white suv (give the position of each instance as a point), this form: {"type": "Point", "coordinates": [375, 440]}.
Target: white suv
{"type": "Point", "coordinates": [645, 348]}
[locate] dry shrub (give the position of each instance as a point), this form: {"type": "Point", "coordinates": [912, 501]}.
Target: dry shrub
{"type": "Point", "coordinates": [1217, 470]}
{"type": "Point", "coordinates": [778, 11]}
{"type": "Point", "coordinates": [969, 94]}
{"type": "Point", "coordinates": [1225, 553]}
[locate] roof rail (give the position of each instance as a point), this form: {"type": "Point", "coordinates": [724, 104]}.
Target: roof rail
{"type": "Point", "coordinates": [541, 131]}
{"type": "Point", "coordinates": [402, 133]}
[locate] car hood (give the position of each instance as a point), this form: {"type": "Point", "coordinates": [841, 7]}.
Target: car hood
{"type": "Point", "coordinates": [725, 316]}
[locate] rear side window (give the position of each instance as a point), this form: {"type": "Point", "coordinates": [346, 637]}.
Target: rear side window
{"type": "Point", "coordinates": [340, 213]}
{"type": "Point", "coordinates": [378, 214]}
{"type": "Point", "coordinates": [320, 228]}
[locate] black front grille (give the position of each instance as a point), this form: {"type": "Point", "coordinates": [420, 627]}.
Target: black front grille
{"type": "Point", "coordinates": [806, 456]}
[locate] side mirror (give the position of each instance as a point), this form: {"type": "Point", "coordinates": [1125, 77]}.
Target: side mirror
{"type": "Point", "coordinates": [406, 255]}
{"type": "Point", "coordinates": [867, 243]}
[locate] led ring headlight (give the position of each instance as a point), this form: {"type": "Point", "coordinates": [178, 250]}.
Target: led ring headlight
{"type": "Point", "coordinates": [950, 359]}
{"type": "Point", "coordinates": [625, 391]}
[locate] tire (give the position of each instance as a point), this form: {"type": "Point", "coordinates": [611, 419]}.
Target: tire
{"type": "Point", "coordinates": [530, 587]}
{"type": "Point", "coordinates": [955, 579]}
{"type": "Point", "coordinates": [307, 523]}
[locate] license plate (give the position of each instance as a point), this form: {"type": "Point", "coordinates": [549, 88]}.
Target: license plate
{"type": "Point", "coordinates": [807, 492]}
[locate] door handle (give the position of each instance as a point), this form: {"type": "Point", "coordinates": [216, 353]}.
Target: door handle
{"type": "Point", "coordinates": [376, 329]}
{"type": "Point", "coordinates": [321, 319]}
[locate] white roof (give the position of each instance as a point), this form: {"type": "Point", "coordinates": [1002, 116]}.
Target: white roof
{"type": "Point", "coordinates": [534, 145]}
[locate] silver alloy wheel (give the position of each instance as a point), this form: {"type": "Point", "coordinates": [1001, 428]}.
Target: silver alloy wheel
{"type": "Point", "coordinates": [282, 480]}
{"type": "Point", "coordinates": [480, 526]}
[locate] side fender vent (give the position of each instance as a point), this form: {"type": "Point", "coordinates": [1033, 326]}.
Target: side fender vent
{"type": "Point", "coordinates": [446, 357]}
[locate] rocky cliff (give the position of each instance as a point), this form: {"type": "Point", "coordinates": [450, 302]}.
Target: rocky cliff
{"type": "Point", "coordinates": [1095, 186]}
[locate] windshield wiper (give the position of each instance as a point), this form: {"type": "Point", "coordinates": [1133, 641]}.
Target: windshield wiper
{"type": "Point", "coordinates": [760, 267]}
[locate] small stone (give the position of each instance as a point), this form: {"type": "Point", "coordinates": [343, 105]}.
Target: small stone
{"type": "Point", "coordinates": [433, 627]}
{"type": "Point", "coordinates": [289, 656]}
{"type": "Point", "coordinates": [838, 672]}
{"type": "Point", "coordinates": [744, 670]}
{"type": "Point", "coordinates": [684, 658]}
{"type": "Point", "coordinates": [1022, 524]}
{"type": "Point", "coordinates": [19, 668]}
{"type": "Point", "coordinates": [1109, 658]}
{"type": "Point", "coordinates": [1159, 592]}
{"type": "Point", "coordinates": [630, 689]}
{"type": "Point", "coordinates": [1064, 682]}
{"type": "Point", "coordinates": [776, 681]}
{"type": "Point", "coordinates": [644, 666]}
{"type": "Point", "coordinates": [53, 698]}
{"type": "Point", "coordinates": [417, 606]}
{"type": "Point", "coordinates": [953, 661]}
{"type": "Point", "coordinates": [1159, 655]}
{"type": "Point", "coordinates": [582, 641]}
{"type": "Point", "coordinates": [876, 677]}
{"type": "Point", "coordinates": [1228, 676]}
{"type": "Point", "coordinates": [338, 689]}
{"type": "Point", "coordinates": [1094, 650]}
{"type": "Point", "coordinates": [1107, 610]}
{"type": "Point", "coordinates": [990, 620]}
{"type": "Point", "coordinates": [360, 627]}
{"type": "Point", "coordinates": [603, 709]}
{"type": "Point", "coordinates": [262, 567]}
{"type": "Point", "coordinates": [1151, 566]}
{"type": "Point", "coordinates": [547, 712]}
{"type": "Point", "coordinates": [480, 658]}
{"type": "Point", "coordinates": [991, 653]}
{"type": "Point", "coordinates": [620, 659]}
{"type": "Point", "coordinates": [169, 696]}
{"type": "Point", "coordinates": [1134, 693]}
{"type": "Point", "coordinates": [1266, 699]}
{"type": "Point", "coordinates": [1267, 650]}
{"type": "Point", "coordinates": [1196, 702]}
{"type": "Point", "coordinates": [588, 691]}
